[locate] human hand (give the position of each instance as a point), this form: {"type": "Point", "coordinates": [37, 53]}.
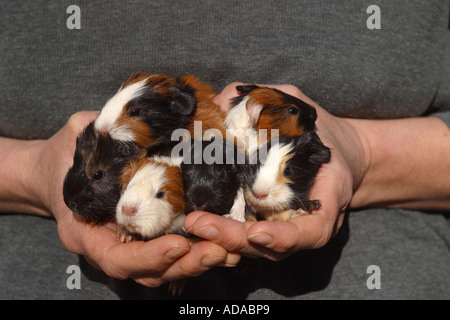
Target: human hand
{"type": "Point", "coordinates": [151, 263]}
{"type": "Point", "coordinates": [334, 187]}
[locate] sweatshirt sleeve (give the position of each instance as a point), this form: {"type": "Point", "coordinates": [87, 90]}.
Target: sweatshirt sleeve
{"type": "Point", "coordinates": [445, 116]}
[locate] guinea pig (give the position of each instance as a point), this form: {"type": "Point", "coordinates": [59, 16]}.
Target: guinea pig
{"type": "Point", "coordinates": [273, 109]}
{"type": "Point", "coordinates": [152, 199]}
{"type": "Point", "coordinates": [148, 108]}
{"type": "Point", "coordinates": [212, 178]}
{"type": "Point", "coordinates": [91, 186]}
{"type": "Point", "coordinates": [277, 187]}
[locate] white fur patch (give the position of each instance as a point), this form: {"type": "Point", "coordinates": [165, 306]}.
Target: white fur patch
{"type": "Point", "coordinates": [278, 195]}
{"type": "Point", "coordinates": [237, 211]}
{"type": "Point", "coordinates": [171, 161]}
{"type": "Point", "coordinates": [154, 216]}
{"type": "Point", "coordinates": [110, 113]}
{"type": "Point", "coordinates": [239, 124]}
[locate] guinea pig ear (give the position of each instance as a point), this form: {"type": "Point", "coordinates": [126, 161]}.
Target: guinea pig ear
{"type": "Point", "coordinates": [184, 100]}
{"type": "Point", "coordinates": [309, 117]}
{"type": "Point", "coordinates": [245, 89]}
{"type": "Point", "coordinates": [254, 110]}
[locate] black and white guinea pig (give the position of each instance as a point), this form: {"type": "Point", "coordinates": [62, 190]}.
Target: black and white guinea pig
{"type": "Point", "coordinates": [212, 178]}
{"type": "Point", "coordinates": [91, 186]}
{"type": "Point", "coordinates": [278, 186]}
{"type": "Point", "coordinates": [149, 107]}
{"type": "Point", "coordinates": [271, 109]}
{"type": "Point", "coordinates": [152, 199]}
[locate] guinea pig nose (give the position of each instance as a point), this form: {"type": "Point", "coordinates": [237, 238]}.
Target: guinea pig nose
{"type": "Point", "coordinates": [260, 195]}
{"type": "Point", "coordinates": [129, 211]}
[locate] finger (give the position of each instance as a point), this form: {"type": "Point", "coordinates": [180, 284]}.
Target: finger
{"type": "Point", "coordinates": [126, 260]}
{"type": "Point", "coordinates": [228, 233]}
{"type": "Point", "coordinates": [306, 231]}
{"type": "Point", "coordinates": [78, 121]}
{"type": "Point", "coordinates": [203, 256]}
{"type": "Point", "coordinates": [223, 99]}
{"type": "Point", "coordinates": [303, 232]}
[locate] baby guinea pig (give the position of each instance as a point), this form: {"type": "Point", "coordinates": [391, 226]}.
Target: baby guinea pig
{"type": "Point", "coordinates": [152, 200]}
{"type": "Point", "coordinates": [91, 186]}
{"type": "Point", "coordinates": [149, 107]}
{"type": "Point", "coordinates": [277, 187]}
{"type": "Point", "coordinates": [212, 178]}
{"type": "Point", "coordinates": [273, 109]}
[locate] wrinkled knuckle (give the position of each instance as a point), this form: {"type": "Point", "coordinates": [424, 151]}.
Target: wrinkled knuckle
{"type": "Point", "coordinates": [111, 270]}
{"type": "Point", "coordinates": [323, 239]}
{"type": "Point", "coordinates": [187, 270]}
{"type": "Point", "coordinates": [235, 244]}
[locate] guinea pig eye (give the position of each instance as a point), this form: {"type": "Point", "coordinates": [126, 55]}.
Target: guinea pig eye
{"type": "Point", "coordinates": [293, 110]}
{"type": "Point", "coordinates": [160, 194]}
{"type": "Point", "coordinates": [135, 112]}
{"type": "Point", "coordinates": [98, 175]}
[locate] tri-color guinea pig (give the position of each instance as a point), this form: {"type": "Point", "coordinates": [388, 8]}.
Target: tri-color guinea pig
{"type": "Point", "coordinates": [152, 199]}
{"type": "Point", "coordinates": [212, 178]}
{"type": "Point", "coordinates": [260, 108]}
{"type": "Point", "coordinates": [91, 186]}
{"type": "Point", "coordinates": [149, 107]}
{"type": "Point", "coordinates": [278, 186]}
{"type": "Point", "coordinates": [274, 109]}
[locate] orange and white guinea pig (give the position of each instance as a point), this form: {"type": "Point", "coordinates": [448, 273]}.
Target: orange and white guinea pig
{"type": "Point", "coordinates": [149, 107]}
{"type": "Point", "coordinates": [260, 108]}
{"type": "Point", "coordinates": [152, 200]}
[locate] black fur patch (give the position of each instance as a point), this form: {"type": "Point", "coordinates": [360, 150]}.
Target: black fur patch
{"type": "Point", "coordinates": [211, 187]}
{"type": "Point", "coordinates": [91, 186]}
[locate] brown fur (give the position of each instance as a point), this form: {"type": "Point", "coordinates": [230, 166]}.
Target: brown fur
{"type": "Point", "coordinates": [130, 170]}
{"type": "Point", "coordinates": [141, 132]}
{"type": "Point", "coordinates": [274, 114]}
{"type": "Point", "coordinates": [208, 112]}
{"type": "Point", "coordinates": [174, 188]}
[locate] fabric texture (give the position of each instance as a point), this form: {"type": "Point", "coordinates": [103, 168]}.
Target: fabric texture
{"type": "Point", "coordinates": [48, 72]}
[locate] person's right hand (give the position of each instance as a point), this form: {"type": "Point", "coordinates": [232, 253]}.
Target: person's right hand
{"type": "Point", "coordinates": [151, 263]}
{"type": "Point", "coordinates": [388, 163]}
{"type": "Point", "coordinates": [334, 187]}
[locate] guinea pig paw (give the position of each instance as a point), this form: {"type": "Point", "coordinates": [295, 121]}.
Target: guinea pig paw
{"type": "Point", "coordinates": [300, 212]}
{"type": "Point", "coordinates": [124, 237]}
{"type": "Point", "coordinates": [281, 216]}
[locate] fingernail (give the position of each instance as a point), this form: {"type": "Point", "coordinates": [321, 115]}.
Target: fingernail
{"type": "Point", "coordinates": [208, 232]}
{"type": "Point", "coordinates": [210, 261]}
{"type": "Point", "coordinates": [262, 239]}
{"type": "Point", "coordinates": [175, 253]}
{"type": "Point", "coordinates": [232, 260]}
